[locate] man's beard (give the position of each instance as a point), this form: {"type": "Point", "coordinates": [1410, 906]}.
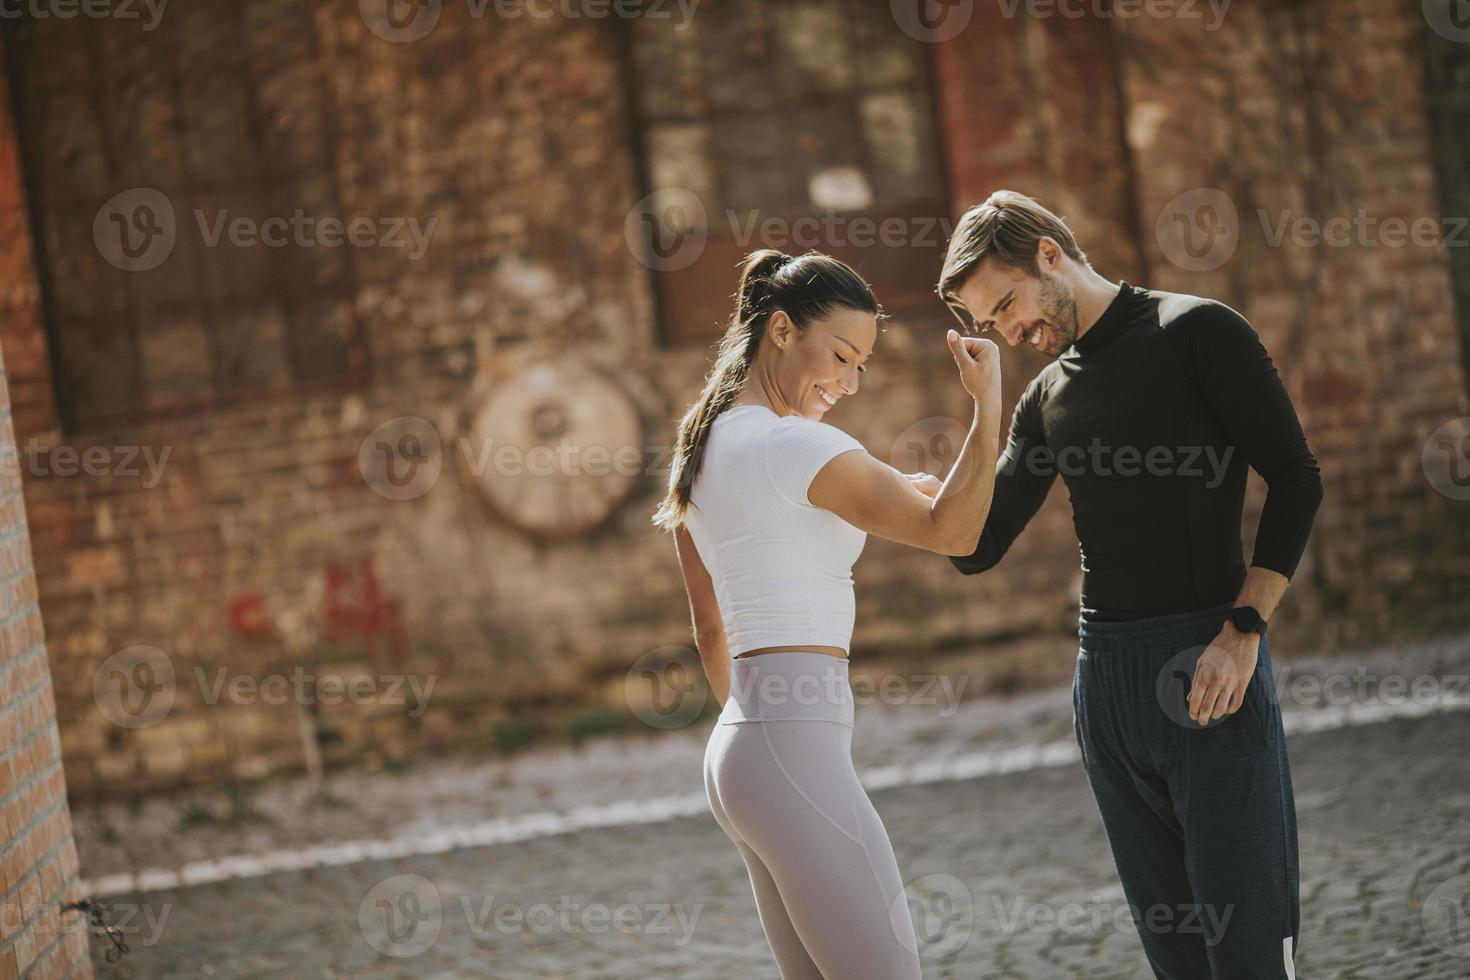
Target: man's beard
{"type": "Point", "coordinates": [1059, 309]}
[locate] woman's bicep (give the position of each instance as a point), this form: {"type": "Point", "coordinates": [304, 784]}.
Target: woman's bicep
{"type": "Point", "coordinates": [874, 497]}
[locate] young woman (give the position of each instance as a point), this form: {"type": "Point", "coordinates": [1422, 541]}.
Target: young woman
{"type": "Point", "coordinates": [770, 506]}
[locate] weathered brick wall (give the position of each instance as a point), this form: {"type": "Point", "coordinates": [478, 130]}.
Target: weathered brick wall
{"type": "Point", "coordinates": [262, 502]}
{"type": "Point", "coordinates": [1315, 111]}
{"type": "Point", "coordinates": [516, 135]}
{"type": "Point", "coordinates": [38, 857]}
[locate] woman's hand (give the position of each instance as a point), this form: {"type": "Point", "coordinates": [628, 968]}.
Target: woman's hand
{"type": "Point", "coordinates": [979, 362]}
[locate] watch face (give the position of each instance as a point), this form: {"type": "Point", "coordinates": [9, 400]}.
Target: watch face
{"type": "Point", "coordinates": [1246, 619]}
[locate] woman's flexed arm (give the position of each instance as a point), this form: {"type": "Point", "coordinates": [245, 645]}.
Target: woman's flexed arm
{"type": "Point", "coordinates": [873, 496]}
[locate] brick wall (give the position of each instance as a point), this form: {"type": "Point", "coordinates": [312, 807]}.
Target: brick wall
{"type": "Point", "coordinates": [1363, 334]}
{"type": "Point", "coordinates": [516, 135]}
{"type": "Point", "coordinates": [38, 858]}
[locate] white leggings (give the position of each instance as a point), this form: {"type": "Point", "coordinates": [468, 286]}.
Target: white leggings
{"type": "Point", "coordinates": [779, 775]}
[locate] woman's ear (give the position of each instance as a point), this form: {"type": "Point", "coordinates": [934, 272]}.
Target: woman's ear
{"type": "Point", "coordinates": [781, 329]}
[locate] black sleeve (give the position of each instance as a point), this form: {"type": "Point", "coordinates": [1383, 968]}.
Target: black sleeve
{"type": "Point", "coordinates": [1023, 475]}
{"type": "Point", "coordinates": [1242, 388]}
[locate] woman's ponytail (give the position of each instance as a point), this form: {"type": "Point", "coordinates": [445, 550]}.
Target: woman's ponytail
{"type": "Point", "coordinates": [806, 287]}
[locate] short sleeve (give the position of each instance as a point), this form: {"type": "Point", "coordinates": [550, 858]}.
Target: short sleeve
{"type": "Point", "coordinates": [796, 450]}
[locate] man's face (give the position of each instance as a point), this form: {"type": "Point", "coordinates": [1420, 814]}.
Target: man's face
{"type": "Point", "coordinates": [1021, 306]}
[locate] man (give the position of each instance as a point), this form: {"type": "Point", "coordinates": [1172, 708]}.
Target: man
{"type": "Point", "coordinates": [1152, 409]}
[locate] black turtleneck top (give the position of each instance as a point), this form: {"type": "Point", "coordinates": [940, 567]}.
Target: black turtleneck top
{"type": "Point", "coordinates": [1152, 417]}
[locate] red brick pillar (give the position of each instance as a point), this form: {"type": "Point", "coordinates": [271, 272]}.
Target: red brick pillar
{"type": "Point", "coordinates": [38, 858]}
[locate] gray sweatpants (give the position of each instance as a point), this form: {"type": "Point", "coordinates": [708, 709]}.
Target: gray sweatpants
{"type": "Point", "coordinates": [780, 779]}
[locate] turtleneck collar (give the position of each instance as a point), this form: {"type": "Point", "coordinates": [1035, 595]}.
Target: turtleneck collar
{"type": "Point", "coordinates": [1116, 319]}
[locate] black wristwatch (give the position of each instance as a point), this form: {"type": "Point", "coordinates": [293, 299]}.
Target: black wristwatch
{"type": "Point", "coordinates": [1248, 619]}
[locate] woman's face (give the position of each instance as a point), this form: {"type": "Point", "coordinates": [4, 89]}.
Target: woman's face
{"type": "Point", "coordinates": [816, 368]}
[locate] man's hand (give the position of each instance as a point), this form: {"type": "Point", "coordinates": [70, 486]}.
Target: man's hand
{"type": "Point", "coordinates": [1222, 673]}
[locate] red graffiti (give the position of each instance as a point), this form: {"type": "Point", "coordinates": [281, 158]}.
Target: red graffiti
{"type": "Point", "coordinates": [359, 608]}
{"type": "Point", "coordinates": [352, 606]}
{"type": "Point", "coordinates": [247, 615]}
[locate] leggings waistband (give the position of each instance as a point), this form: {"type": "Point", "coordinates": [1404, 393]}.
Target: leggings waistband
{"type": "Point", "coordinates": [790, 685]}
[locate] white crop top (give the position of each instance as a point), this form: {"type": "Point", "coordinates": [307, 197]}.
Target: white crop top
{"type": "Point", "coordinates": [781, 566]}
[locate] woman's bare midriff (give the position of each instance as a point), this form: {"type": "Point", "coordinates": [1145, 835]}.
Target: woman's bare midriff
{"type": "Point", "coordinates": [829, 651]}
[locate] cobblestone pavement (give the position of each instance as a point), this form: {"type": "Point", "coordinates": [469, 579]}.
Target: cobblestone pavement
{"type": "Point", "coordinates": [1011, 873]}
{"type": "Point", "coordinates": [922, 720]}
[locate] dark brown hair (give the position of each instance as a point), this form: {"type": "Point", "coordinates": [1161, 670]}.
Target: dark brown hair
{"type": "Point", "coordinates": [807, 287]}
